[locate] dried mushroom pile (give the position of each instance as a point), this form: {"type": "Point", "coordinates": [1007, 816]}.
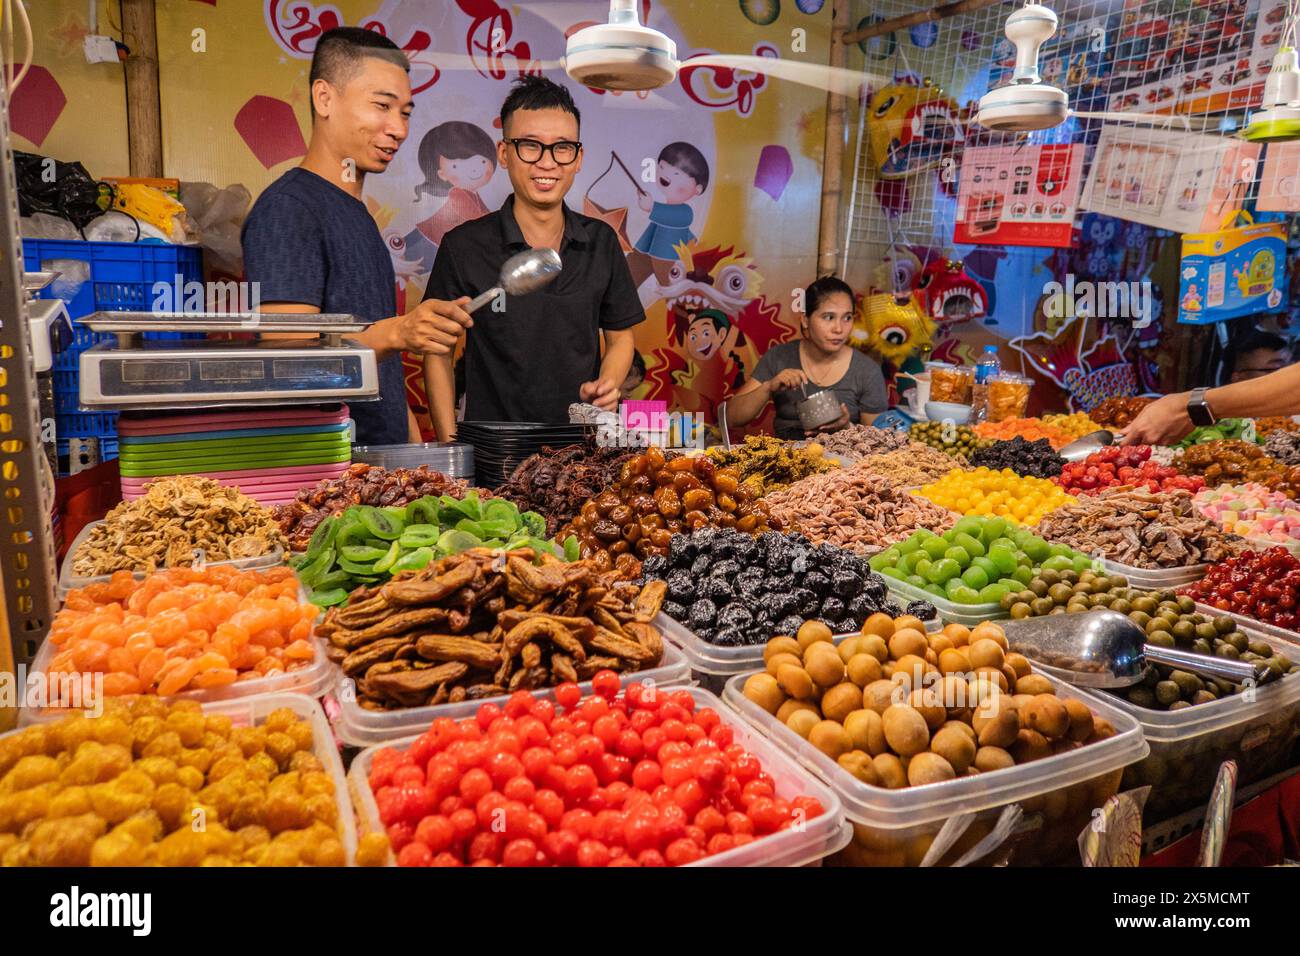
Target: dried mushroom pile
{"type": "Point", "coordinates": [1141, 529]}
{"type": "Point", "coordinates": [174, 518]}
{"type": "Point", "coordinates": [480, 624]}
{"type": "Point", "coordinates": [767, 464]}
{"type": "Point", "coordinates": [362, 485]}
{"type": "Point", "coordinates": [556, 484]}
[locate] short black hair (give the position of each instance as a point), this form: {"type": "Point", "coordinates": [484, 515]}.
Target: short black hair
{"type": "Point", "coordinates": [1257, 340]}
{"type": "Point", "coordinates": [531, 92]}
{"type": "Point", "coordinates": [689, 160]}
{"type": "Point", "coordinates": [339, 53]}
{"type": "Point", "coordinates": [822, 289]}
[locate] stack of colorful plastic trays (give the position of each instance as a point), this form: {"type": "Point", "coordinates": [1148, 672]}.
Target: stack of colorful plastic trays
{"type": "Point", "coordinates": [269, 455]}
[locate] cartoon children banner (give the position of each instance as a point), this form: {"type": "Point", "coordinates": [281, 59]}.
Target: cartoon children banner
{"type": "Point", "coordinates": [695, 178]}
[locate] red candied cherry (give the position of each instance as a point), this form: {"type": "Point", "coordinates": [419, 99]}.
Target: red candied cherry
{"type": "Point", "coordinates": [486, 714]}
{"type": "Point", "coordinates": [651, 858]}
{"type": "Point", "coordinates": [681, 852]}
{"type": "Point", "coordinates": [414, 853]}
{"type": "Point", "coordinates": [520, 852]}
{"type": "Point", "coordinates": [605, 684]}
{"type": "Point", "coordinates": [436, 833]}
{"type": "Point", "coordinates": [593, 853]}
{"type": "Point", "coordinates": [567, 695]}
{"type": "Point", "coordinates": [561, 847]}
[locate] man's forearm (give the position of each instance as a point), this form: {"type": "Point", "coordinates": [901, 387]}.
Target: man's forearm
{"type": "Point", "coordinates": [1275, 394]}
{"type": "Point", "coordinates": [380, 336]}
{"type": "Point", "coordinates": [440, 387]}
{"type": "Point", "coordinates": [619, 349]}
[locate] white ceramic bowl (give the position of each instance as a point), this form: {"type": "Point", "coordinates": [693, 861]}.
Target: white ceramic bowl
{"type": "Point", "coordinates": [947, 411]}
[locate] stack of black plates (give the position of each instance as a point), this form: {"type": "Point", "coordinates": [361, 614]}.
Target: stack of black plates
{"type": "Point", "coordinates": [500, 447]}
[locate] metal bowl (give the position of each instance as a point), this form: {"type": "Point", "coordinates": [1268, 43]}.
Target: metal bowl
{"type": "Point", "coordinates": [818, 409]}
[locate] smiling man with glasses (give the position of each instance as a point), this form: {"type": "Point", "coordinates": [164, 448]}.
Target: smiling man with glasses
{"type": "Point", "coordinates": [527, 358]}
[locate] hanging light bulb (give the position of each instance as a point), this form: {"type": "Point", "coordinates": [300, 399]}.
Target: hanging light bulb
{"type": "Point", "coordinates": [1279, 118]}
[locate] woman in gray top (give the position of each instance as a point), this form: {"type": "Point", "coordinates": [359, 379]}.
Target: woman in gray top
{"type": "Point", "coordinates": [822, 359]}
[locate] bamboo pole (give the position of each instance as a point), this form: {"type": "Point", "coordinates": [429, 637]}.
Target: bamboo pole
{"type": "Point", "coordinates": [143, 111]}
{"type": "Point", "coordinates": [941, 12]}
{"type": "Point", "coordinates": [833, 149]}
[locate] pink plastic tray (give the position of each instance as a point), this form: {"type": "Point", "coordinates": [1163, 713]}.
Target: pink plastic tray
{"type": "Point", "coordinates": [310, 475]}
{"type": "Point", "coordinates": [229, 421]}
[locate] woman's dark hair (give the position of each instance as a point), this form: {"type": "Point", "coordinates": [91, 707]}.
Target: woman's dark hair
{"type": "Point", "coordinates": [821, 290]}
{"type": "Point", "coordinates": [452, 140]}
{"type": "Point", "coordinates": [531, 92]}
{"type": "Point", "coordinates": [638, 363]}
{"type": "Point", "coordinates": [689, 160]}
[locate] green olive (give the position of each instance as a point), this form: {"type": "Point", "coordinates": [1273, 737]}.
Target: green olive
{"type": "Point", "coordinates": [1042, 606]}
{"type": "Point", "coordinates": [1040, 587]}
{"type": "Point", "coordinates": [1139, 617]}
{"type": "Point", "coordinates": [1161, 639]}
{"type": "Point", "coordinates": [1185, 631]}
{"type": "Point", "coordinates": [1208, 632]}
{"type": "Point", "coordinates": [1225, 625]}
{"type": "Point", "coordinates": [1227, 650]}
{"type": "Point", "coordinates": [1157, 624]}
{"type": "Point", "coordinates": [1167, 692]}
{"type": "Point", "coordinates": [1020, 610]}
{"type": "Point", "coordinates": [1186, 604]}
{"type": "Point", "coordinates": [1060, 593]}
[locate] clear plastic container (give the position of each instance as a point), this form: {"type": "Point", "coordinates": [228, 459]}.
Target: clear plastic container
{"type": "Point", "coordinates": [312, 681]}
{"type": "Point", "coordinates": [950, 383]}
{"type": "Point", "coordinates": [1188, 745]}
{"type": "Point", "coordinates": [1262, 627]}
{"type": "Point", "coordinates": [897, 827]}
{"type": "Point", "coordinates": [1008, 397]}
{"type": "Point", "coordinates": [712, 666]}
{"type": "Point", "coordinates": [70, 582]}
{"type": "Point", "coordinates": [823, 835]}
{"type": "Point", "coordinates": [968, 614]}
{"type": "Point", "coordinates": [359, 727]}
{"type": "Point", "coordinates": [1152, 579]}
{"type": "Point", "coordinates": [253, 711]}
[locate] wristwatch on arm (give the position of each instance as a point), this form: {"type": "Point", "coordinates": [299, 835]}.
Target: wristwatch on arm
{"type": "Point", "coordinates": [1198, 409]}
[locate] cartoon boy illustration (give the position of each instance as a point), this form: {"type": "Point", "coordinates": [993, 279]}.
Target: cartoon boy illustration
{"type": "Point", "coordinates": [457, 159]}
{"type": "Point", "coordinates": [683, 174]}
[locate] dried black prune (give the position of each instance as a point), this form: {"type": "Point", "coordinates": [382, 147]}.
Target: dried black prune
{"type": "Point", "coordinates": [674, 610]}
{"type": "Point", "coordinates": [832, 608]}
{"type": "Point", "coordinates": [816, 582]}
{"type": "Point", "coordinates": [789, 625]}
{"type": "Point", "coordinates": [703, 538]}
{"type": "Point", "coordinates": [781, 603]}
{"type": "Point", "coordinates": [845, 625]}
{"type": "Point", "coordinates": [747, 550]}
{"type": "Point", "coordinates": [681, 587]}
{"type": "Point", "coordinates": [750, 579]}
{"type": "Point", "coordinates": [728, 637]}
{"type": "Point", "coordinates": [700, 566]}
{"type": "Point", "coordinates": [656, 565]}
{"type": "Point", "coordinates": [862, 607]}
{"type": "Point", "coordinates": [681, 550]}
{"type": "Point", "coordinates": [703, 612]}
{"type": "Point", "coordinates": [780, 582]}
{"type": "Point", "coordinates": [923, 609]}
{"type": "Point", "coordinates": [726, 570]}
{"type": "Point", "coordinates": [874, 588]}
{"type": "Point", "coordinates": [844, 583]}
{"type": "Point", "coordinates": [718, 590]}
{"type": "Point", "coordinates": [735, 615]}
{"type": "Point", "coordinates": [892, 608]}
{"type": "Point", "coordinates": [805, 602]}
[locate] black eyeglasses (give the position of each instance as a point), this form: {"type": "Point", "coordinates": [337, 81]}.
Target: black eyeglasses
{"type": "Point", "coordinates": [530, 151]}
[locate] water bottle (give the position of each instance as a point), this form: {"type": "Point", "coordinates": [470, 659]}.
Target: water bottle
{"type": "Point", "coordinates": [986, 369]}
{"type": "Point", "coordinates": [988, 366]}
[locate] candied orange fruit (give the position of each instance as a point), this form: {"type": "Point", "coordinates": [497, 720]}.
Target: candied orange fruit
{"type": "Point", "coordinates": [152, 783]}
{"type": "Point", "coordinates": [184, 629]}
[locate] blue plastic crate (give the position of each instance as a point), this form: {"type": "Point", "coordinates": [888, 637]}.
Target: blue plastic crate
{"type": "Point", "coordinates": [122, 278]}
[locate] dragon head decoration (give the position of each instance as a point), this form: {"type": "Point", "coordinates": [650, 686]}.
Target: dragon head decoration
{"type": "Point", "coordinates": [949, 294]}
{"type": "Point", "coordinates": [706, 289]}
{"type": "Point", "coordinates": [911, 126]}
{"type": "Point", "coordinates": [893, 328]}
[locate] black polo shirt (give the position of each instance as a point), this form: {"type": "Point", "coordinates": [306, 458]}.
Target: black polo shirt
{"type": "Point", "coordinates": [526, 363]}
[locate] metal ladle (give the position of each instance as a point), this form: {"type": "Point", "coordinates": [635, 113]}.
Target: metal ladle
{"type": "Point", "coordinates": [1106, 649]}
{"type": "Point", "coordinates": [1081, 448]}
{"type": "Point", "coordinates": [522, 273]}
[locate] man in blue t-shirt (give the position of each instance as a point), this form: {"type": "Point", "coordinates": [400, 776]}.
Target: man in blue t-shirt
{"type": "Point", "coordinates": [311, 244]}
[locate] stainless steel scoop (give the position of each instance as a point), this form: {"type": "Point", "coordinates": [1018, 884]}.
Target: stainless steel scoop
{"type": "Point", "coordinates": [1081, 448]}
{"type": "Point", "coordinates": [1104, 648]}
{"type": "Point", "coordinates": [522, 273]}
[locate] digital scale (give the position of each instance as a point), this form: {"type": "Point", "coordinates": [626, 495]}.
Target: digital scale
{"type": "Point", "coordinates": [132, 372]}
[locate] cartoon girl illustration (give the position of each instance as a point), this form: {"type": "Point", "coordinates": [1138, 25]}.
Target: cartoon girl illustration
{"type": "Point", "coordinates": [457, 159]}
{"type": "Point", "coordinates": [682, 175]}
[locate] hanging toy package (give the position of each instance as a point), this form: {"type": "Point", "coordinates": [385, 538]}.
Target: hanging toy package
{"type": "Point", "coordinates": [1235, 271]}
